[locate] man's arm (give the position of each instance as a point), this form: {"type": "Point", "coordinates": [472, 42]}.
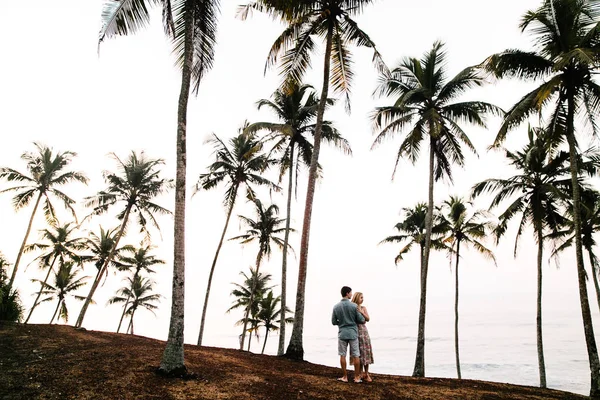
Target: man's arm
{"type": "Point", "coordinates": [334, 319]}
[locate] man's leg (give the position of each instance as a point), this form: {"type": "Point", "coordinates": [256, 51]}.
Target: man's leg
{"type": "Point", "coordinates": [342, 349]}
{"type": "Point", "coordinates": [355, 357]}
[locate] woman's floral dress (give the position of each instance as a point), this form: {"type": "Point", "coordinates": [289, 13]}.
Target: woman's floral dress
{"type": "Point", "coordinates": [364, 343]}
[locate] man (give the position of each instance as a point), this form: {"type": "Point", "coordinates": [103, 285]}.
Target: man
{"type": "Point", "coordinates": [346, 316]}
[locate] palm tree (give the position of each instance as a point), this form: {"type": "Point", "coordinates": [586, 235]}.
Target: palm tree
{"type": "Point", "coordinates": [192, 24]}
{"type": "Point", "coordinates": [47, 171]}
{"type": "Point", "coordinates": [468, 230]}
{"type": "Point", "coordinates": [332, 21]}
{"type": "Point", "coordinates": [566, 38]}
{"type": "Point", "coordinates": [65, 282]}
{"type": "Point", "coordinates": [296, 110]}
{"type": "Point", "coordinates": [425, 101]}
{"type": "Point", "coordinates": [243, 294]}
{"type": "Point", "coordinates": [239, 165]}
{"type": "Point", "coordinates": [590, 224]}
{"type": "Point", "coordinates": [138, 293]}
{"type": "Point", "coordinates": [11, 308]}
{"type": "Point", "coordinates": [268, 313]}
{"type": "Point", "coordinates": [535, 197]}
{"type": "Point", "coordinates": [140, 260]}
{"type": "Point", "coordinates": [60, 246]}
{"type": "Point", "coordinates": [263, 231]}
{"type": "Point", "coordinates": [135, 186]}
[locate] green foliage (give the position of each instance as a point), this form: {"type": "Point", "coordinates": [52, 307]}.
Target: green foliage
{"type": "Point", "coordinates": [11, 308]}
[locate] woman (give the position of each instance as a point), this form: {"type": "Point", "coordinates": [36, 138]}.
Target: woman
{"type": "Point", "coordinates": [364, 341]}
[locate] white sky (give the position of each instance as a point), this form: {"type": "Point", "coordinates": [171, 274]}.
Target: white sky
{"type": "Point", "coordinates": [55, 89]}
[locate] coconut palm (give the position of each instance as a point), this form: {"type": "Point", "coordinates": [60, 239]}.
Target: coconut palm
{"type": "Point", "coordinates": [65, 282]}
{"type": "Point", "coordinates": [47, 172]}
{"type": "Point", "coordinates": [263, 231]}
{"type": "Point", "coordinates": [244, 299]}
{"type": "Point", "coordinates": [192, 24]}
{"type": "Point", "coordinates": [268, 314]}
{"type": "Point", "coordinates": [137, 294]}
{"type": "Point", "coordinates": [590, 224]}
{"type": "Point", "coordinates": [332, 21]}
{"type": "Point", "coordinates": [426, 107]}
{"type": "Point", "coordinates": [11, 308]}
{"type": "Point", "coordinates": [135, 187]}
{"type": "Point", "coordinates": [534, 197]}
{"type": "Point", "coordinates": [59, 245]}
{"type": "Point", "coordinates": [238, 166]}
{"type": "Point", "coordinates": [139, 260]}
{"type": "Point", "coordinates": [296, 110]}
{"type": "Point", "coordinates": [100, 246]}
{"type": "Point", "coordinates": [468, 229]}
{"type": "Point", "coordinates": [566, 56]}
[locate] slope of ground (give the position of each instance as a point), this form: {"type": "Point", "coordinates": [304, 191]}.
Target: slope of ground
{"type": "Point", "coordinates": [60, 362]}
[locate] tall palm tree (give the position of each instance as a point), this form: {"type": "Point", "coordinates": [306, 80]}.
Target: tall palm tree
{"type": "Point", "coordinates": [60, 245]}
{"type": "Point", "coordinates": [535, 198]}
{"type": "Point", "coordinates": [332, 21]}
{"type": "Point", "coordinates": [296, 109]}
{"type": "Point", "coordinates": [47, 172]}
{"type": "Point", "coordinates": [65, 282]}
{"type": "Point", "coordinates": [237, 166]}
{"type": "Point", "coordinates": [137, 293]}
{"type": "Point", "coordinates": [139, 260]}
{"type": "Point", "coordinates": [268, 314]}
{"type": "Point", "coordinates": [567, 41]}
{"type": "Point", "coordinates": [192, 24]}
{"type": "Point", "coordinates": [590, 224]}
{"type": "Point", "coordinates": [425, 106]}
{"type": "Point", "coordinates": [467, 229]}
{"type": "Point", "coordinates": [262, 230]}
{"type": "Point", "coordinates": [135, 186]}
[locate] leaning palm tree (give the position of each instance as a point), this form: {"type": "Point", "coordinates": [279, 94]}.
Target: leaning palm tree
{"type": "Point", "coordinates": [58, 245]}
{"type": "Point", "coordinates": [262, 230]}
{"type": "Point", "coordinates": [134, 187]}
{"type": "Point", "coordinates": [425, 107]}
{"type": "Point", "coordinates": [139, 260]}
{"type": "Point", "coordinates": [192, 25]}
{"type": "Point", "coordinates": [137, 294]}
{"type": "Point", "coordinates": [47, 171]}
{"type": "Point", "coordinates": [238, 166]}
{"type": "Point", "coordinates": [332, 21]}
{"type": "Point", "coordinates": [535, 196]}
{"type": "Point", "coordinates": [566, 55]}
{"type": "Point", "coordinates": [296, 109]}
{"type": "Point", "coordinates": [590, 225]}
{"type": "Point", "coordinates": [65, 282]}
{"type": "Point", "coordinates": [469, 230]}
{"type": "Point", "coordinates": [268, 313]}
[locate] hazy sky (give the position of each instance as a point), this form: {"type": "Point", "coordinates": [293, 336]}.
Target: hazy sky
{"type": "Point", "coordinates": [56, 89]}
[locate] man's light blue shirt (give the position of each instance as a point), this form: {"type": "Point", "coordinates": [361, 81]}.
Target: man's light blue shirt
{"type": "Point", "coordinates": [345, 315]}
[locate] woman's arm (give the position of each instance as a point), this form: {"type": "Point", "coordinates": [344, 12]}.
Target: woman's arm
{"type": "Point", "coordinates": [363, 311]}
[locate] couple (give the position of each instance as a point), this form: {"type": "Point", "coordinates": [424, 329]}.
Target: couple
{"type": "Point", "coordinates": [350, 317]}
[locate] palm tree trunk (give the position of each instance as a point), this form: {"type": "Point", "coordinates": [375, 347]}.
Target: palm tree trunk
{"type": "Point", "coordinates": [214, 264]}
{"type": "Point", "coordinates": [280, 349]}
{"type": "Point", "coordinates": [540, 340]}
{"type": "Point", "coordinates": [173, 362]}
{"type": "Point", "coordinates": [55, 311]}
{"type": "Point", "coordinates": [249, 341]}
{"type": "Point", "coordinates": [254, 283]}
{"type": "Point", "coordinates": [14, 272]}
{"type": "Point", "coordinates": [42, 285]}
{"type": "Point", "coordinates": [265, 342]}
{"type": "Point", "coordinates": [586, 315]}
{"type": "Point", "coordinates": [594, 275]}
{"type": "Point", "coordinates": [419, 369]}
{"type": "Point", "coordinates": [104, 269]}
{"type": "Point", "coordinates": [295, 349]}
{"type": "Point", "coordinates": [456, 348]}
{"type": "Point", "coordinates": [131, 323]}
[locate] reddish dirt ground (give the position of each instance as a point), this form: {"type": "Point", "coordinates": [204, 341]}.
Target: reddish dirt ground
{"type": "Point", "coordinates": [60, 362]}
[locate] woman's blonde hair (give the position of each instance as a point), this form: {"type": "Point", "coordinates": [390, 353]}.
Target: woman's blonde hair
{"type": "Point", "coordinates": [356, 297]}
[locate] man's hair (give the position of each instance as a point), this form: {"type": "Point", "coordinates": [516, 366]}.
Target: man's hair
{"type": "Point", "coordinates": [345, 291]}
